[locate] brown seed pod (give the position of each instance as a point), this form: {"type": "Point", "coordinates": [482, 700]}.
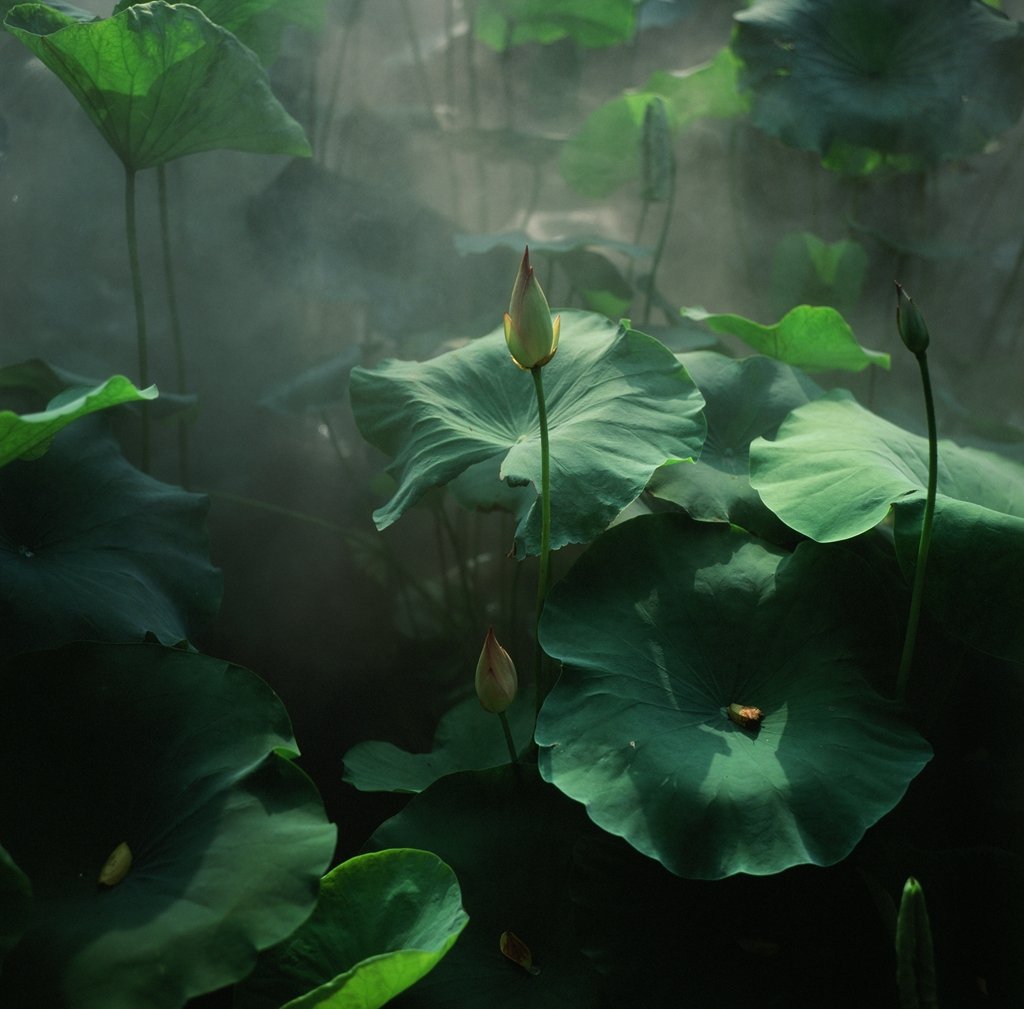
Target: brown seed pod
{"type": "Point", "coordinates": [745, 716]}
{"type": "Point", "coordinates": [116, 866]}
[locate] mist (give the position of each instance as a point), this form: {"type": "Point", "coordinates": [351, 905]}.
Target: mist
{"type": "Point", "coordinates": [436, 157]}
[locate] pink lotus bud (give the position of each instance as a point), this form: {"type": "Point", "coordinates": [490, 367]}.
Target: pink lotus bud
{"type": "Point", "coordinates": [530, 332]}
{"type": "Point", "coordinates": [496, 680]}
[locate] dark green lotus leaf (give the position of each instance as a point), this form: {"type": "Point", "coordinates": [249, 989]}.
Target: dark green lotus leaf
{"type": "Point", "coordinates": [592, 23]}
{"type": "Point", "coordinates": [815, 338]}
{"type": "Point", "coordinates": [606, 153]}
{"type": "Point", "coordinates": [160, 81]}
{"type": "Point", "coordinates": [834, 469]}
{"type": "Point", "coordinates": [619, 406]}
{"type": "Point", "coordinates": [28, 436]}
{"type": "Point", "coordinates": [382, 921]}
{"type": "Point", "coordinates": [510, 839]}
{"type": "Point", "coordinates": [928, 81]}
{"type": "Point", "coordinates": [183, 758]}
{"type": "Point", "coordinates": [90, 548]}
{"type": "Point", "coordinates": [745, 398]}
{"type": "Point", "coordinates": [973, 587]}
{"type": "Point", "coordinates": [467, 738]}
{"type": "Point", "coordinates": [15, 903]}
{"type": "Point", "coordinates": [662, 625]}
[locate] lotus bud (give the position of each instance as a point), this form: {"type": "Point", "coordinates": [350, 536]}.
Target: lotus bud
{"type": "Point", "coordinates": [910, 322]}
{"type": "Point", "coordinates": [915, 956]}
{"type": "Point", "coordinates": [496, 680]}
{"type": "Point", "coordinates": [530, 332]}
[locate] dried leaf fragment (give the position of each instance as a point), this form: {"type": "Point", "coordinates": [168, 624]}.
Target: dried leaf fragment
{"type": "Point", "coordinates": [745, 716]}
{"type": "Point", "coordinates": [116, 866]}
{"type": "Point", "coordinates": [517, 951]}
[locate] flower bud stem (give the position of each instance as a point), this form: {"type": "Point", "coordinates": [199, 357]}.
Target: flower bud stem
{"type": "Point", "coordinates": [508, 738]}
{"type": "Point", "coordinates": [903, 677]}
{"type": "Point", "coordinates": [544, 574]}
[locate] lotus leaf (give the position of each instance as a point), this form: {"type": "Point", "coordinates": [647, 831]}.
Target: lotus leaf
{"type": "Point", "coordinates": [815, 338]}
{"type": "Point", "coordinates": [467, 738]}
{"type": "Point", "coordinates": [382, 921]}
{"type": "Point", "coordinates": [619, 405]}
{"type": "Point", "coordinates": [922, 81]}
{"type": "Point", "coordinates": [745, 398]}
{"type": "Point", "coordinates": [28, 436]}
{"type": "Point", "coordinates": [160, 81]}
{"type": "Point", "coordinates": [178, 762]}
{"type": "Point", "coordinates": [90, 548]}
{"type": "Point", "coordinates": [510, 839]}
{"type": "Point", "coordinates": [712, 707]}
{"type": "Point", "coordinates": [505, 23]}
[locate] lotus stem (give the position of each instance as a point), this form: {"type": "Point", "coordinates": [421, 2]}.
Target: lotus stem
{"type": "Point", "coordinates": [131, 234]}
{"type": "Point", "coordinates": [509, 742]}
{"type": "Point", "coordinates": [174, 318]}
{"type": "Point", "coordinates": [917, 593]}
{"type": "Point", "coordinates": [544, 573]}
{"type": "Point", "coordinates": [662, 238]}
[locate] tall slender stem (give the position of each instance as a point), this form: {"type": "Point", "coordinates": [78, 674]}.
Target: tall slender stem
{"type": "Point", "coordinates": [544, 573]}
{"type": "Point", "coordinates": [662, 237]}
{"type": "Point", "coordinates": [903, 677]}
{"type": "Point", "coordinates": [170, 286]}
{"type": "Point", "coordinates": [140, 306]}
{"type": "Point", "coordinates": [509, 742]}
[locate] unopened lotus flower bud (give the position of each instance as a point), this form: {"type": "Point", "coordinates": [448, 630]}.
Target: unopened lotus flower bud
{"type": "Point", "coordinates": [530, 332]}
{"type": "Point", "coordinates": [496, 680]}
{"type": "Point", "coordinates": [915, 955]}
{"type": "Point", "coordinates": [910, 322]}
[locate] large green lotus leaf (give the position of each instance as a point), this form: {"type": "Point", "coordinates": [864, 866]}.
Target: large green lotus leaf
{"type": "Point", "coordinates": [160, 81]}
{"type": "Point", "coordinates": [593, 23]}
{"type": "Point", "coordinates": [619, 406]}
{"type": "Point", "coordinates": [662, 625]}
{"type": "Point", "coordinates": [28, 436]}
{"type": "Point", "coordinates": [815, 338]}
{"type": "Point", "coordinates": [928, 81]}
{"type": "Point", "coordinates": [510, 839]}
{"type": "Point", "coordinates": [834, 469]}
{"type": "Point", "coordinates": [15, 903]}
{"type": "Point", "coordinates": [382, 921]}
{"type": "Point", "coordinates": [257, 23]}
{"type": "Point", "coordinates": [606, 153]}
{"type": "Point", "coordinates": [973, 588]}
{"type": "Point", "coordinates": [90, 548]}
{"type": "Point", "coordinates": [745, 398]}
{"type": "Point", "coordinates": [467, 738]}
{"type": "Point", "coordinates": [183, 758]}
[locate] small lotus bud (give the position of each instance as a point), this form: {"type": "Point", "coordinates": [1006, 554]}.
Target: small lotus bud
{"type": "Point", "coordinates": [496, 680]}
{"type": "Point", "coordinates": [915, 956]}
{"type": "Point", "coordinates": [910, 322]}
{"type": "Point", "coordinates": [530, 332]}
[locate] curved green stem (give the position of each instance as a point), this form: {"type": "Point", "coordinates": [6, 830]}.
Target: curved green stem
{"type": "Point", "coordinates": [544, 574]}
{"type": "Point", "coordinates": [509, 742]}
{"type": "Point", "coordinates": [140, 307]}
{"type": "Point", "coordinates": [903, 677]}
